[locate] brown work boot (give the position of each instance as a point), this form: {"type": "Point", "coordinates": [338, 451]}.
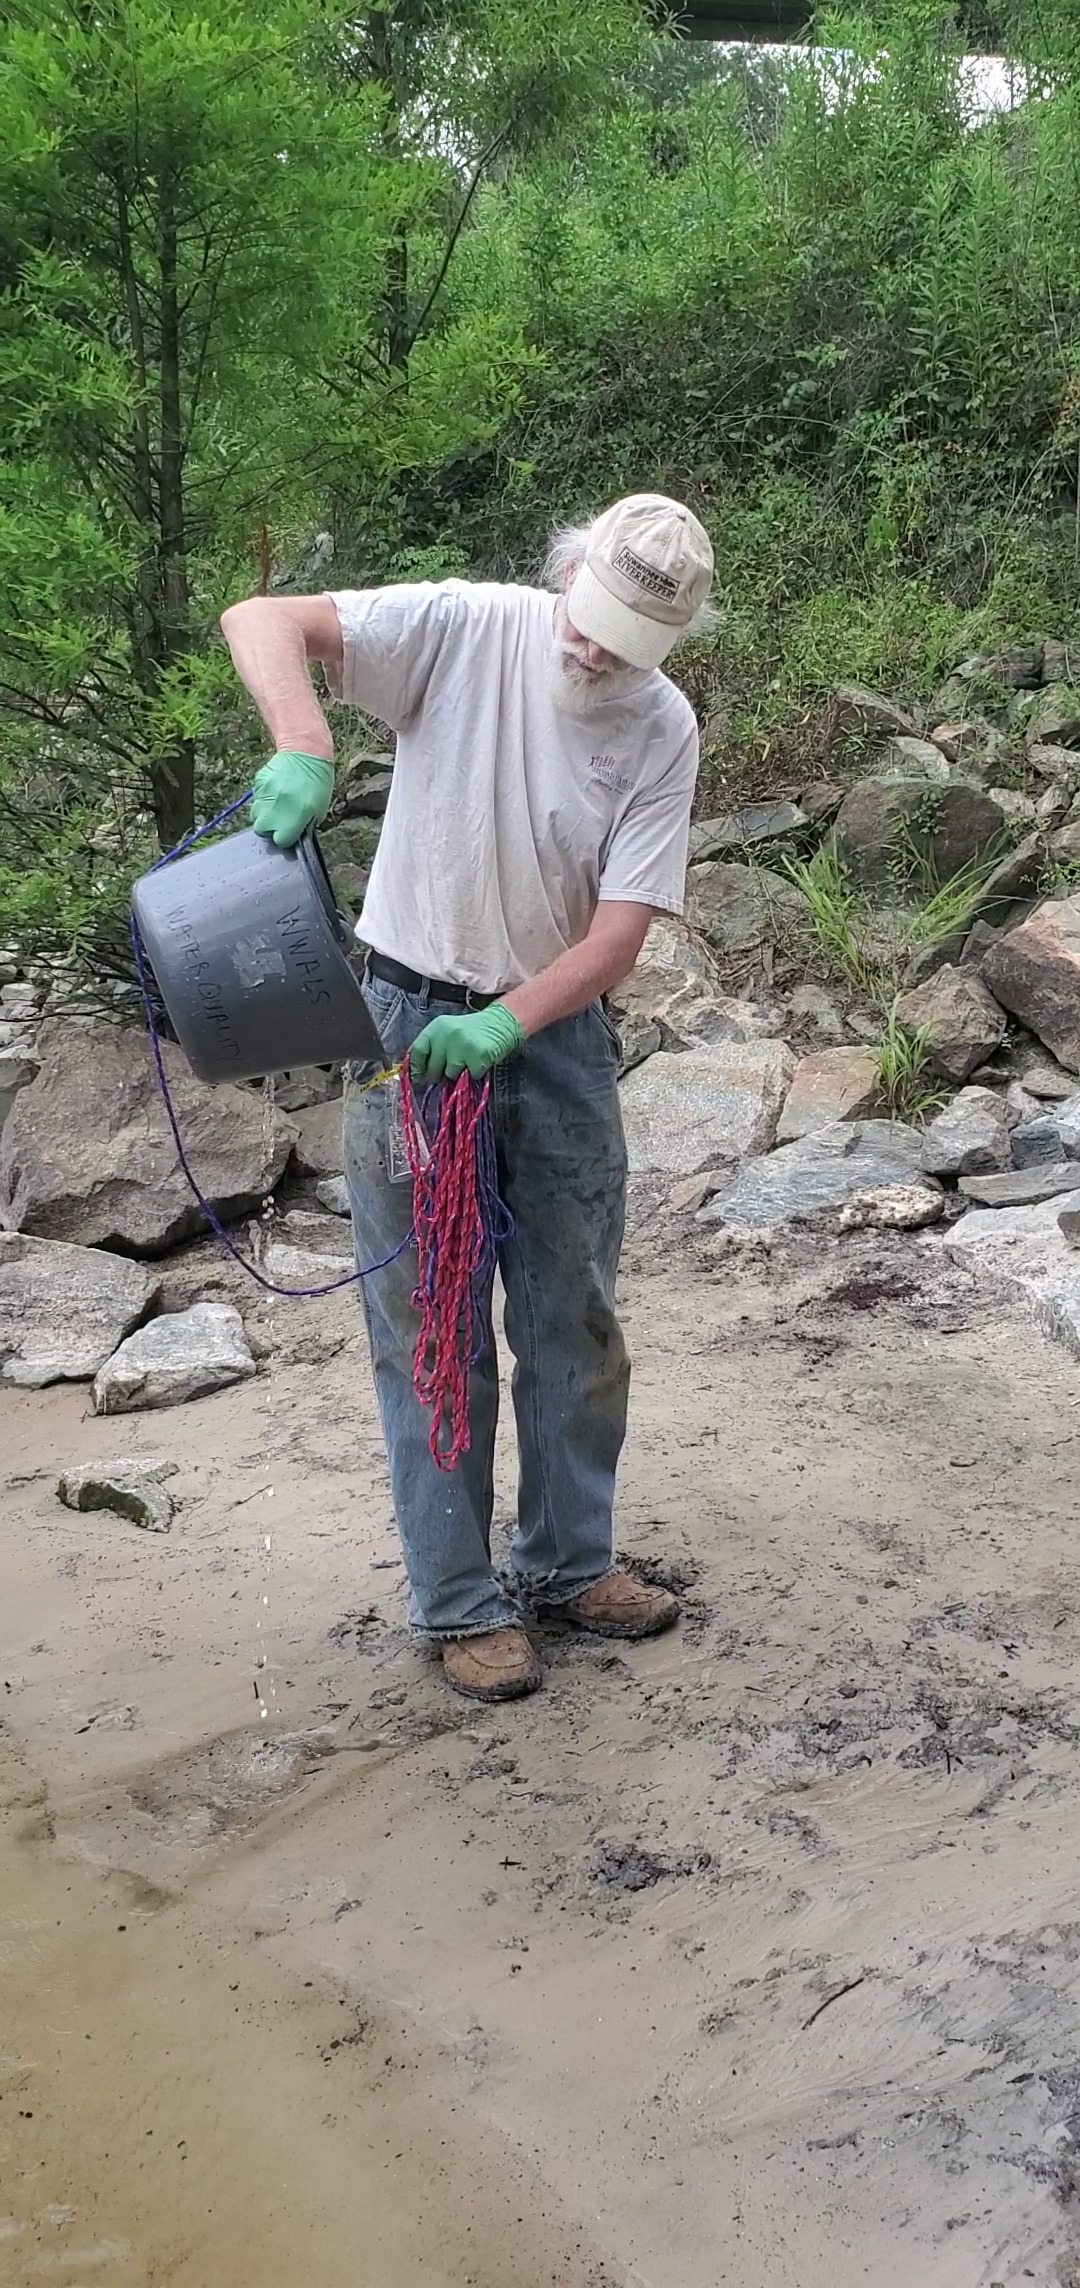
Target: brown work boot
{"type": "Point", "coordinates": [499, 1665]}
{"type": "Point", "coordinates": [619, 1607]}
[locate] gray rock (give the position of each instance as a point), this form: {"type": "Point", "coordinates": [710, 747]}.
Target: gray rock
{"type": "Point", "coordinates": [19, 1003]}
{"type": "Point", "coordinates": [1010, 890]}
{"type": "Point", "coordinates": [319, 1146]}
{"type": "Point", "coordinates": [853, 708]}
{"type": "Point", "coordinates": [1049, 1082]}
{"type": "Point", "coordinates": [1050, 718]}
{"type": "Point", "coordinates": [759, 823]}
{"type": "Point", "coordinates": [1019, 809]}
{"type": "Point", "coordinates": [1049, 1136]}
{"type": "Point", "coordinates": [183, 1355]}
{"type": "Point", "coordinates": [1069, 1226]}
{"type": "Point", "coordinates": [1020, 1106]}
{"type": "Point", "coordinates": [962, 1021]}
{"type": "Point", "coordinates": [333, 1194]}
{"type": "Point", "coordinates": [741, 908]}
{"type": "Point", "coordinates": [87, 1155]}
{"type": "Point", "coordinates": [640, 1038]}
{"type": "Point", "coordinates": [884, 823]}
{"type": "Point", "coordinates": [16, 1072]}
{"type": "Point", "coordinates": [132, 1489]}
{"type": "Point", "coordinates": [299, 1267]}
{"type": "Point", "coordinates": [1061, 764]}
{"type": "Point", "coordinates": [811, 1006]}
{"type": "Point", "coordinates": [367, 795]}
{"type": "Point", "coordinates": [913, 759]}
{"type": "Point", "coordinates": [1036, 1143]}
{"type": "Point", "coordinates": [831, 1085]}
{"type": "Point", "coordinates": [309, 1084]}
{"type": "Point", "coordinates": [820, 801]}
{"type": "Point", "coordinates": [819, 1174]}
{"type": "Point", "coordinates": [1018, 667]}
{"type": "Point", "coordinates": [1034, 972]}
{"type": "Point", "coordinates": [714, 1102]}
{"type": "Point", "coordinates": [64, 1309]}
{"type": "Point", "coordinates": [1060, 662]}
{"type": "Point", "coordinates": [975, 746]}
{"type": "Point", "coordinates": [893, 1207]}
{"type": "Point", "coordinates": [675, 986]}
{"type": "Point", "coordinates": [1020, 1187]}
{"type": "Point", "coordinates": [1063, 848]}
{"type": "Point", "coordinates": [1023, 1253]}
{"type": "Point", "coordinates": [972, 1134]}
{"type": "Point", "coordinates": [691, 1194]}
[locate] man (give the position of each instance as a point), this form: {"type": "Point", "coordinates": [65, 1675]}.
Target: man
{"type": "Point", "coordinates": [538, 818]}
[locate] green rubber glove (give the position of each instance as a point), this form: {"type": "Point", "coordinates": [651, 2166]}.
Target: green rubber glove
{"type": "Point", "coordinates": [292, 792]}
{"type": "Point", "coordinates": [450, 1046]}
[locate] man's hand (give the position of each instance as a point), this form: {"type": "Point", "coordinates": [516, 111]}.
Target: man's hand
{"type": "Point", "coordinates": [450, 1046]}
{"type": "Point", "coordinates": [292, 792]}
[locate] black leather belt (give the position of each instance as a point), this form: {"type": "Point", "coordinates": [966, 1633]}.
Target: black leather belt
{"type": "Point", "coordinates": [436, 989]}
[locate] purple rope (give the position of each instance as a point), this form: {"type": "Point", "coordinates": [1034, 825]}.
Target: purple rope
{"type": "Point", "coordinates": [217, 1227]}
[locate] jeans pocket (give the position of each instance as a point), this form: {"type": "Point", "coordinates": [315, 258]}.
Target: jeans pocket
{"type": "Point", "coordinates": [610, 1027]}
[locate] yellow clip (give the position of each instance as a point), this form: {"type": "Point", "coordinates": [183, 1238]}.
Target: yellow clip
{"type": "Point", "coordinates": [379, 1079]}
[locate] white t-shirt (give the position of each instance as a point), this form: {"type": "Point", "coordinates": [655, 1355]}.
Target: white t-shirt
{"type": "Point", "coordinates": [508, 817]}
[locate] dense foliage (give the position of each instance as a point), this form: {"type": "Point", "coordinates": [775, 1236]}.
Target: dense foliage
{"type": "Point", "coordinates": [429, 277]}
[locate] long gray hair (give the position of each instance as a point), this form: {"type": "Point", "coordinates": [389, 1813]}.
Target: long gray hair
{"type": "Point", "coordinates": [567, 551]}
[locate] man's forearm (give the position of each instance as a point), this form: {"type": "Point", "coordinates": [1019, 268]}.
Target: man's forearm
{"type": "Point", "coordinates": [581, 975]}
{"type": "Point", "coordinates": [270, 656]}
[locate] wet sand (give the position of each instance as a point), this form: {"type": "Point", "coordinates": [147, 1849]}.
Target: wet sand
{"type": "Point", "coordinates": [751, 1956]}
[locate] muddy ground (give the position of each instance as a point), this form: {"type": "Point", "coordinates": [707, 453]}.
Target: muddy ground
{"type": "Point", "coordinates": [751, 1956]}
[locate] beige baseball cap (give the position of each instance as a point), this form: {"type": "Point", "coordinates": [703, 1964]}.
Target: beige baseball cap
{"type": "Point", "coordinates": [648, 568]}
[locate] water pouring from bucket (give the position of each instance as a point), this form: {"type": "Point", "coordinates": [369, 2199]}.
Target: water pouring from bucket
{"type": "Point", "coordinates": [251, 960]}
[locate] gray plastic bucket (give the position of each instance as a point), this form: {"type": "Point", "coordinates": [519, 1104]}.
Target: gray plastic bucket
{"type": "Point", "coordinates": [250, 956]}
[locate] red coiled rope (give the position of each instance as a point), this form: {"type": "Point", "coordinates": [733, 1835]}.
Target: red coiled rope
{"type": "Point", "coordinates": [460, 1222]}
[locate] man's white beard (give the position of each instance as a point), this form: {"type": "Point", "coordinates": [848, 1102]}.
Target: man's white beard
{"type": "Point", "coordinates": [576, 692]}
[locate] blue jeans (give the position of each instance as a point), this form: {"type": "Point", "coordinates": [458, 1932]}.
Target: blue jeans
{"type": "Point", "coordinates": [562, 1173]}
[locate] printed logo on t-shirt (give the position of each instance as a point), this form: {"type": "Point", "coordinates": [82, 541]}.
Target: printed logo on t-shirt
{"type": "Point", "coordinates": [647, 576]}
{"type": "Point", "coordinates": [606, 768]}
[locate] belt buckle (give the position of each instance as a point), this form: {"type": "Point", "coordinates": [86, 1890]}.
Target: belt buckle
{"type": "Point", "coordinates": [473, 999]}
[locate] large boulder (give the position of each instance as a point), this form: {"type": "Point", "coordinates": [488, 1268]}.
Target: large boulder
{"type": "Point", "coordinates": [320, 1146]}
{"type": "Point", "coordinates": [674, 988]}
{"type": "Point", "coordinates": [962, 1022]}
{"type": "Point", "coordinates": [1023, 1253]}
{"type": "Point", "coordinates": [63, 1310]}
{"type": "Point", "coordinates": [819, 1175]}
{"type": "Point", "coordinates": [87, 1154]}
{"type": "Point", "coordinates": [830, 1085]}
{"type": "Point", "coordinates": [971, 1135]}
{"type": "Point", "coordinates": [885, 825]}
{"type": "Point", "coordinates": [17, 1070]}
{"type": "Point", "coordinates": [683, 1111]}
{"type": "Point", "coordinates": [1034, 972]}
{"type": "Point", "coordinates": [741, 908]}
{"type": "Point", "coordinates": [183, 1355]}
